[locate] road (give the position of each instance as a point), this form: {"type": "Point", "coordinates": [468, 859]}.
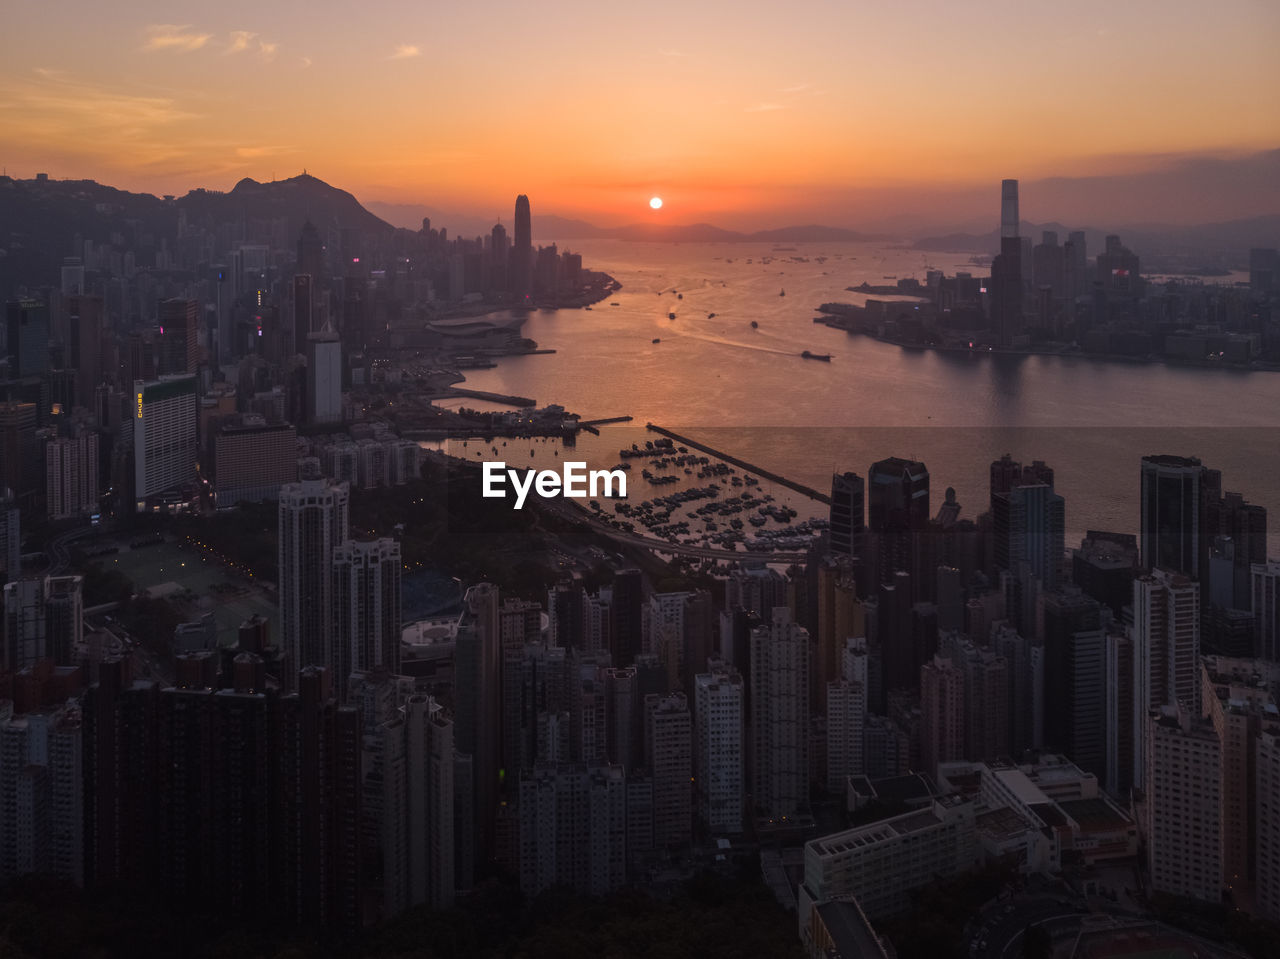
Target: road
{"type": "Point", "coordinates": [59, 550]}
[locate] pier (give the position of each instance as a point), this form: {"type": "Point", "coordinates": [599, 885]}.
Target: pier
{"type": "Point", "coordinates": [743, 464]}
{"type": "Point", "coordinates": [520, 401]}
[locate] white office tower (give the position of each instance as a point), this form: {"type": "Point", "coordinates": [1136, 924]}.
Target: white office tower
{"type": "Point", "coordinates": [366, 595]}
{"type": "Point", "coordinates": [780, 716]}
{"type": "Point", "coordinates": [1183, 805]}
{"type": "Point", "coordinates": [1166, 651]}
{"type": "Point", "coordinates": [324, 377]}
{"type": "Point", "coordinates": [719, 778]}
{"type": "Point", "coordinates": [846, 717]}
{"type": "Point", "coordinates": [314, 520]}
{"type": "Point", "coordinates": [164, 436]}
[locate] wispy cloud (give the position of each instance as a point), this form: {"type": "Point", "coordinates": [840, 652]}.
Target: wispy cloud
{"type": "Point", "coordinates": [254, 153]}
{"type": "Point", "coordinates": [404, 51]}
{"type": "Point", "coordinates": [171, 36]}
{"type": "Point", "coordinates": [306, 62]}
{"type": "Point", "coordinates": [239, 41]}
{"type": "Point", "coordinates": [267, 50]}
{"type": "Point", "coordinates": [764, 107]}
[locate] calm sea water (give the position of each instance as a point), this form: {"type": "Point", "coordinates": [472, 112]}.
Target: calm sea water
{"type": "Point", "coordinates": [748, 391]}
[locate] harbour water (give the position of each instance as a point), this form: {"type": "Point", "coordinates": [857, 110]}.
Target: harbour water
{"type": "Point", "coordinates": [747, 390]}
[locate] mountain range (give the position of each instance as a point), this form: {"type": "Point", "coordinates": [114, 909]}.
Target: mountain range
{"type": "Point", "coordinates": [42, 221]}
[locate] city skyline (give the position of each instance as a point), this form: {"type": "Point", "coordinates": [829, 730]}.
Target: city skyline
{"type": "Point", "coordinates": [749, 121]}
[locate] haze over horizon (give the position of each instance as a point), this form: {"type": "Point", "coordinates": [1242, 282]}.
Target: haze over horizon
{"type": "Point", "coordinates": [750, 119]}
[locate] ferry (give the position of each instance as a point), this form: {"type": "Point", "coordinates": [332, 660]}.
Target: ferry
{"type": "Point", "coordinates": [755, 325]}
{"type": "Point", "coordinates": [825, 357]}
{"type": "Point", "coordinates": [657, 340]}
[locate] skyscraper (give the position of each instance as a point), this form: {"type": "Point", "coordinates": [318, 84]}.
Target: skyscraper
{"type": "Point", "coordinates": [720, 753]}
{"type": "Point", "coordinates": [780, 716]}
{"type": "Point", "coordinates": [27, 337]}
{"type": "Point", "coordinates": [1028, 520]}
{"type": "Point", "coordinates": [310, 254]}
{"type": "Point", "coordinates": [1172, 503]}
{"type": "Point", "coordinates": [1075, 661]}
{"type": "Point", "coordinates": [324, 377]}
{"type": "Point", "coordinates": [179, 337]}
{"type": "Point", "coordinates": [847, 523]}
{"type": "Point", "coordinates": [478, 721]}
{"type": "Point", "coordinates": [314, 521]}
{"type": "Point", "coordinates": [1183, 777]}
{"type": "Point", "coordinates": [10, 538]}
{"type": "Point", "coordinates": [1166, 651]}
{"type": "Point", "coordinates": [1006, 269]}
{"type": "Point", "coordinates": [71, 475]}
{"type": "Point", "coordinates": [669, 755]}
{"type": "Point", "coordinates": [366, 597]}
{"type": "Point", "coordinates": [522, 254]}
{"type": "Point", "coordinates": [164, 436]}
{"type": "Point", "coordinates": [942, 713]}
{"type": "Point", "coordinates": [303, 311]}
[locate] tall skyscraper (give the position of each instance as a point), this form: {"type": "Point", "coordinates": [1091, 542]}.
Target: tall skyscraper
{"type": "Point", "coordinates": [780, 664]}
{"type": "Point", "coordinates": [71, 475]}
{"type": "Point", "coordinates": [27, 337]}
{"type": "Point", "coordinates": [366, 597]}
{"type": "Point", "coordinates": [897, 512]}
{"type": "Point", "coordinates": [1266, 603]}
{"type": "Point", "coordinates": [720, 754]}
{"type": "Point", "coordinates": [1166, 651]}
{"type": "Point", "coordinates": [847, 521]}
{"type": "Point", "coordinates": [1267, 828]}
{"type": "Point", "coordinates": [1075, 661]}
{"type": "Point", "coordinates": [310, 260]}
{"type": "Point", "coordinates": [303, 311]}
{"type": "Point", "coordinates": [164, 436]}
{"type": "Point", "coordinates": [1183, 779]}
{"type": "Point", "coordinates": [179, 337]}
{"type": "Point", "coordinates": [324, 377]}
{"type": "Point", "coordinates": [10, 537]}
{"type": "Point", "coordinates": [1028, 520]}
{"type": "Point", "coordinates": [1008, 209]}
{"type": "Point", "coordinates": [522, 254]}
{"type": "Point", "coordinates": [846, 717]}
{"type": "Point", "coordinates": [478, 721]}
{"type": "Point", "coordinates": [669, 756]}
{"type": "Point", "coordinates": [1006, 269]}
{"type": "Point", "coordinates": [941, 713]}
{"type": "Point", "coordinates": [1173, 511]}
{"type": "Point", "coordinates": [499, 257]}
{"type": "Point", "coordinates": [314, 521]}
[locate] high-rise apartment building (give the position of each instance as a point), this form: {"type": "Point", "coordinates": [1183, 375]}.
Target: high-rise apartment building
{"type": "Point", "coordinates": [314, 521]}
{"type": "Point", "coordinates": [1267, 826]}
{"type": "Point", "coordinates": [1183, 783]}
{"type": "Point", "coordinates": [1166, 651]}
{"type": "Point", "coordinates": [71, 475]}
{"type": "Point", "coordinates": [366, 608]}
{"type": "Point", "coordinates": [720, 754]}
{"type": "Point", "coordinates": [779, 702]}
{"type": "Point", "coordinates": [942, 713]}
{"type": "Point", "coordinates": [669, 757]}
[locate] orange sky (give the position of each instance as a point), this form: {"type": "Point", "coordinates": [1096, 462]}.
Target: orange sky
{"type": "Point", "coordinates": [735, 113]}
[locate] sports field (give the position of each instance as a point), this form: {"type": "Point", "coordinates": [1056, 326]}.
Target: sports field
{"type": "Point", "coordinates": [167, 569]}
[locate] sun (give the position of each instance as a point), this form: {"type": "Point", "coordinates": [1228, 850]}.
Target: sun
{"type": "Point", "coordinates": [655, 203]}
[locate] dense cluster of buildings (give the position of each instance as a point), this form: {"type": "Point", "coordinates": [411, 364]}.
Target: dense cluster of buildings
{"type": "Point", "coordinates": [1052, 294]}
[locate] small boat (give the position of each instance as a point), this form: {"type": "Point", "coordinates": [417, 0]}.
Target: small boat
{"type": "Point", "coordinates": [755, 325]}
{"type": "Point", "coordinates": [679, 296]}
{"type": "Point", "coordinates": [782, 293]}
{"type": "Point", "coordinates": [825, 357]}
{"type": "Point", "coordinates": [671, 316]}
{"type": "Point", "coordinates": [657, 340]}
{"type": "Point", "coordinates": [615, 303]}
{"type": "Point", "coordinates": [711, 316]}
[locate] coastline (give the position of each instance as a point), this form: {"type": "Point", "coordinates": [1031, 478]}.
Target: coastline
{"type": "Point", "coordinates": [839, 322]}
